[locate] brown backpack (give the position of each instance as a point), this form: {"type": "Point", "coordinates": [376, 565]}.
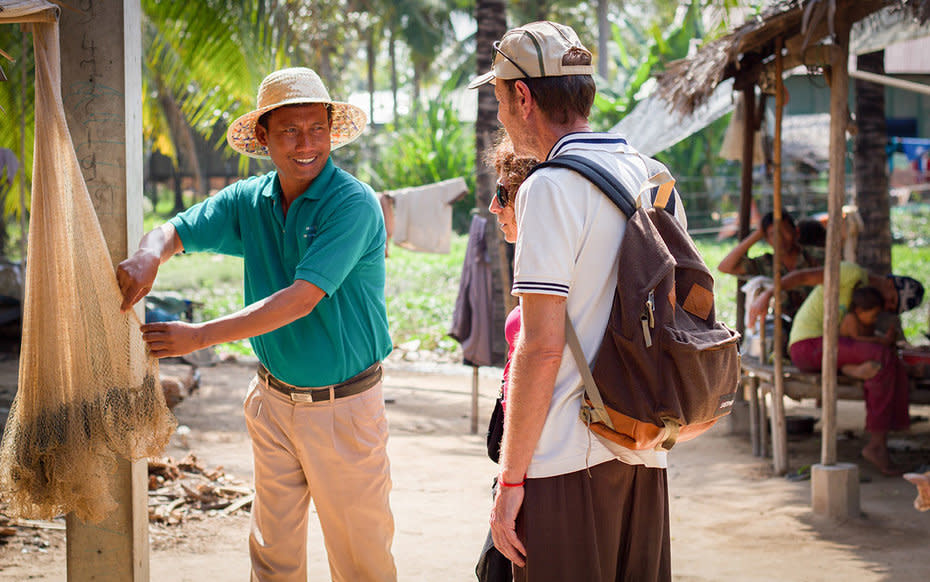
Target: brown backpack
{"type": "Point", "coordinates": [666, 370]}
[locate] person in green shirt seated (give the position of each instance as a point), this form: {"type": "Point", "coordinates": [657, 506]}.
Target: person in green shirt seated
{"type": "Point", "coordinates": [886, 390]}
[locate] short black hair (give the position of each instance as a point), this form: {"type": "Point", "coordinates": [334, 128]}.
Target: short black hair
{"type": "Point", "coordinates": [812, 233]}
{"type": "Point", "coordinates": [263, 119]}
{"type": "Point", "coordinates": [769, 219]}
{"type": "Point", "coordinates": [866, 297]}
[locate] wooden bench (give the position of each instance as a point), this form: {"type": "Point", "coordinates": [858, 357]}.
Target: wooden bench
{"type": "Point", "coordinates": [759, 379]}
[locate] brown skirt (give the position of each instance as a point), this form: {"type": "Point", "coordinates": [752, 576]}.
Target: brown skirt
{"type": "Point", "coordinates": [606, 524]}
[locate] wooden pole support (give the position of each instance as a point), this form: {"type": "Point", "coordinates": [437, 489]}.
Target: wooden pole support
{"type": "Point", "coordinates": [779, 434]}
{"type": "Point", "coordinates": [839, 116]}
{"type": "Point", "coordinates": [101, 85]}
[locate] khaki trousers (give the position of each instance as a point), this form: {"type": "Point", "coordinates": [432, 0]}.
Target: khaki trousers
{"type": "Point", "coordinates": [334, 452]}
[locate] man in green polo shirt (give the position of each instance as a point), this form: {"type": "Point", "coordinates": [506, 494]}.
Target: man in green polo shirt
{"type": "Point", "coordinates": [312, 241]}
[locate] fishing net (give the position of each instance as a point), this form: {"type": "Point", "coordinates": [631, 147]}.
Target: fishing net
{"type": "Point", "coordinates": [88, 391]}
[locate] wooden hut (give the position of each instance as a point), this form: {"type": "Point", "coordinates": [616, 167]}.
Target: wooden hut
{"type": "Point", "coordinates": [815, 33]}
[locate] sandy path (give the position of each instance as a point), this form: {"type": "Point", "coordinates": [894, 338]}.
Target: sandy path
{"type": "Point", "coordinates": [731, 520]}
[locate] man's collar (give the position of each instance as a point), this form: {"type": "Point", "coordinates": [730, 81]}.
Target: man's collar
{"type": "Point", "coordinates": [585, 139]}
{"type": "Point", "coordinates": [316, 189]}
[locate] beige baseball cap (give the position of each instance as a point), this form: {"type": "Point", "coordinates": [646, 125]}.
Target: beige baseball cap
{"type": "Point", "coordinates": [534, 50]}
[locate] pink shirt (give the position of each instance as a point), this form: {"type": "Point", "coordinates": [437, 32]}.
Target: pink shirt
{"type": "Point", "coordinates": [511, 332]}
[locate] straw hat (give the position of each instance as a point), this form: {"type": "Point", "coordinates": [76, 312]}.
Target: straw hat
{"type": "Point", "coordinates": [291, 87]}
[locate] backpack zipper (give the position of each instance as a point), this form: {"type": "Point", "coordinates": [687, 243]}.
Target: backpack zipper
{"type": "Point", "coordinates": [647, 319]}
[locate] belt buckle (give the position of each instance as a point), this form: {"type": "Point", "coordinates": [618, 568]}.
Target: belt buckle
{"type": "Point", "coordinates": [301, 396]}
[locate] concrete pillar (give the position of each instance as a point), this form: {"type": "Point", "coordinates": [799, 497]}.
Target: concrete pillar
{"type": "Point", "coordinates": [101, 68]}
{"type": "Point", "coordinates": [835, 490]}
{"type": "Point", "coordinates": [739, 419]}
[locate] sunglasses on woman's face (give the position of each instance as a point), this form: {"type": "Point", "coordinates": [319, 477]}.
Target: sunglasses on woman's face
{"type": "Point", "coordinates": [503, 196]}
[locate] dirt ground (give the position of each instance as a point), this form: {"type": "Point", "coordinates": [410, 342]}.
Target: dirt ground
{"type": "Point", "coordinates": [731, 519]}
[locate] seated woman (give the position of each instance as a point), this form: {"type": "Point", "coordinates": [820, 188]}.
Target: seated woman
{"type": "Point", "coordinates": [886, 392]}
{"type": "Point", "coordinates": [794, 256]}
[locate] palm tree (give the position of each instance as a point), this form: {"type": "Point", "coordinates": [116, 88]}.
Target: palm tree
{"type": "Point", "coordinates": [202, 63]}
{"type": "Point", "coordinates": [870, 168]}
{"type": "Point", "coordinates": [17, 129]}
{"type": "Point", "coordinates": [491, 16]}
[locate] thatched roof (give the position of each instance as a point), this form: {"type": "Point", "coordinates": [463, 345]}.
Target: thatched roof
{"type": "Point", "coordinates": [687, 83]}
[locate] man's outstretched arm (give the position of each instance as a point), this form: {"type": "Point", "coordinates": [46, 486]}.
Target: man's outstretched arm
{"type": "Point", "coordinates": [176, 338]}
{"type": "Point", "coordinates": [136, 275]}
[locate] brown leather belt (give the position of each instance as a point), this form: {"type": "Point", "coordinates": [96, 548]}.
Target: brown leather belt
{"type": "Point", "coordinates": [354, 385]}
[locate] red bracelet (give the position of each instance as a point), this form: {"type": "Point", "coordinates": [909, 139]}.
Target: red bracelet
{"type": "Point", "coordinates": [502, 483]}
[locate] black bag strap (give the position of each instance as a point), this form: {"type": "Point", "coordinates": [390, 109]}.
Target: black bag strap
{"type": "Point", "coordinates": [597, 175]}
{"type": "Point", "coordinates": [606, 181]}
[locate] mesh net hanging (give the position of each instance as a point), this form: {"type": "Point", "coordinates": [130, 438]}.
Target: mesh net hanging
{"type": "Point", "coordinates": [88, 390]}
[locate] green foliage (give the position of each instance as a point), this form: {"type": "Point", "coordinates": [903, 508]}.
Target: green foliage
{"type": "Point", "coordinates": [18, 117]}
{"type": "Point", "coordinates": [660, 45]}
{"type": "Point", "coordinates": [643, 48]}
{"type": "Point", "coordinates": [910, 224]}
{"type": "Point", "coordinates": [430, 145]}
{"type": "Point", "coordinates": [911, 256]}
{"type": "Point", "coordinates": [213, 282]}
{"type": "Point", "coordinates": [421, 290]}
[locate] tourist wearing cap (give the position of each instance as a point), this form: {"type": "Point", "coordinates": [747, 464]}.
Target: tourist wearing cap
{"type": "Point", "coordinates": [312, 241]}
{"type": "Point", "coordinates": [567, 507]}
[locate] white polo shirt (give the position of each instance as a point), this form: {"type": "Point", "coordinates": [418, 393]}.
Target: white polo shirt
{"type": "Point", "coordinates": [568, 237]}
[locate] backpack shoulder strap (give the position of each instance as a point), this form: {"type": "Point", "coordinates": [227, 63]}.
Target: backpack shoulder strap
{"type": "Point", "coordinates": [660, 184]}
{"type": "Point", "coordinates": [597, 175]}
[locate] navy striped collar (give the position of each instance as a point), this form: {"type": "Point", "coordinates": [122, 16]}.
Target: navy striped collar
{"type": "Point", "coordinates": [587, 137]}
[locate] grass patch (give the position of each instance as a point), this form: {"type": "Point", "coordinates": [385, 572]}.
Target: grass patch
{"type": "Point", "coordinates": [420, 291]}
{"type": "Point", "coordinates": [212, 282]}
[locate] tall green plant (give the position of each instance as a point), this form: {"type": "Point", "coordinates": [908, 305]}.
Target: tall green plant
{"type": "Point", "coordinates": [430, 145]}
{"type": "Point", "coordinates": [18, 116]}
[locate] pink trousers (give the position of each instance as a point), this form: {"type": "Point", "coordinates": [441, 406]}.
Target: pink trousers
{"type": "Point", "coordinates": [886, 394]}
{"type": "Point", "coordinates": [335, 453]}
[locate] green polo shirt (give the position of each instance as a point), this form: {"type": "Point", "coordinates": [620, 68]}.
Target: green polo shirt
{"type": "Point", "coordinates": [333, 236]}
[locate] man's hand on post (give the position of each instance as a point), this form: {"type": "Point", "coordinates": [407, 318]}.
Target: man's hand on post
{"type": "Point", "coordinates": [172, 338]}
{"type": "Point", "coordinates": [135, 277]}
{"type": "Point", "coordinates": [507, 503]}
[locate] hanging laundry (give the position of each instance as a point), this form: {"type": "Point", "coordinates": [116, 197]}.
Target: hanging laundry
{"type": "Point", "coordinates": [9, 165]}
{"type": "Point", "coordinates": [472, 319]}
{"type": "Point", "coordinates": [423, 215]}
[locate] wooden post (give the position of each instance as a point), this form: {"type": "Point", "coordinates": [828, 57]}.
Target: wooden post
{"type": "Point", "coordinates": [779, 434]}
{"type": "Point", "coordinates": [745, 197]}
{"type": "Point", "coordinates": [839, 115]}
{"type": "Point", "coordinates": [474, 400]}
{"type": "Point", "coordinates": [101, 70]}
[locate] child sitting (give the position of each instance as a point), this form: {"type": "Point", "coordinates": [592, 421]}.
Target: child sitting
{"type": "Point", "coordinates": [859, 324]}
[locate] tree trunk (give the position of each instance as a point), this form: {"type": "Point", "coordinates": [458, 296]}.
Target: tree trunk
{"type": "Point", "coordinates": [603, 35]}
{"type": "Point", "coordinates": [178, 191]}
{"type": "Point", "coordinates": [393, 58]}
{"type": "Point", "coordinates": [491, 16]}
{"type": "Point", "coordinates": [183, 137]}
{"type": "Point", "coordinates": [370, 49]}
{"type": "Point", "coordinates": [871, 168]}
